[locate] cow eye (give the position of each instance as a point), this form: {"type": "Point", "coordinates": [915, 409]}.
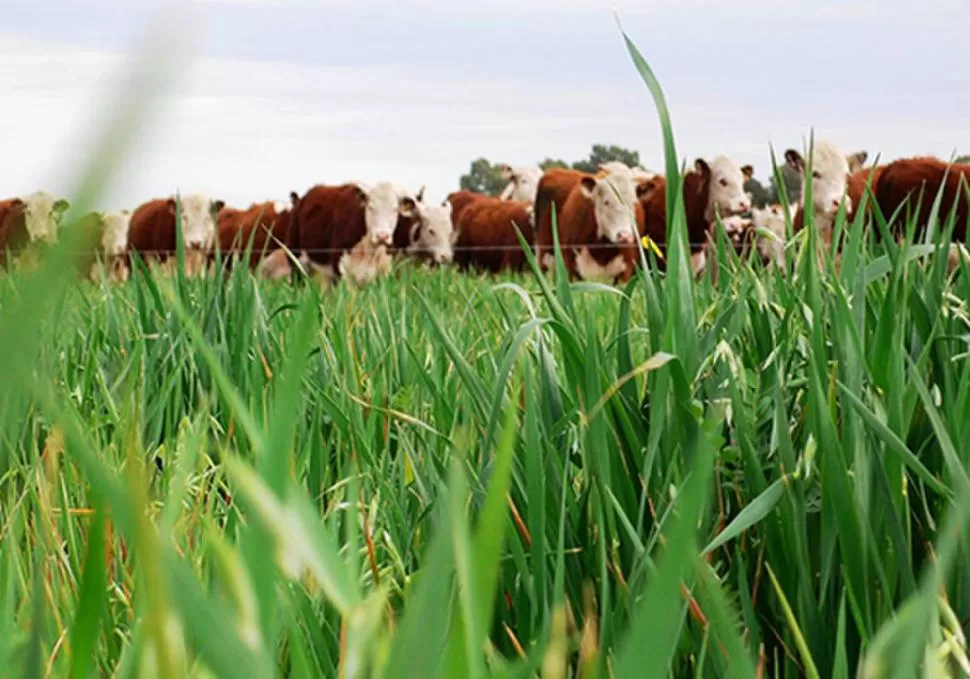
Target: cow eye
{"type": "Point", "coordinates": [431, 232]}
{"type": "Point", "coordinates": [817, 174]}
{"type": "Point", "coordinates": [723, 182]}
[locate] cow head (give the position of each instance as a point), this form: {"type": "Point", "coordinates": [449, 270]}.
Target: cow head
{"type": "Point", "coordinates": [42, 215]}
{"type": "Point", "coordinates": [434, 233]}
{"type": "Point", "coordinates": [114, 232]}
{"type": "Point", "coordinates": [613, 197]}
{"type": "Point", "coordinates": [725, 184]}
{"type": "Point", "coordinates": [383, 203]}
{"type": "Point", "coordinates": [830, 175]}
{"type": "Point", "coordinates": [198, 220]}
{"type": "Point", "coordinates": [523, 182]}
{"type": "Point", "coordinates": [770, 221]}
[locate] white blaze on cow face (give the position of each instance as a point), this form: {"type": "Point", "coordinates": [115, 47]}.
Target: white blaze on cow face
{"type": "Point", "coordinates": [114, 232]}
{"type": "Point", "coordinates": [198, 220]}
{"type": "Point", "coordinates": [523, 182]}
{"type": "Point", "coordinates": [726, 196]}
{"type": "Point", "coordinates": [436, 233]}
{"type": "Point", "coordinates": [42, 216]}
{"type": "Point", "coordinates": [613, 199]}
{"type": "Point", "coordinates": [383, 203]}
{"type": "Point", "coordinates": [830, 173]}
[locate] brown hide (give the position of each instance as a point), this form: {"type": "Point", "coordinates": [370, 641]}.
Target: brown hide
{"type": "Point", "coordinates": [327, 222]}
{"type": "Point", "coordinates": [908, 178]}
{"type": "Point", "coordinates": [259, 222]}
{"type": "Point", "coordinates": [13, 229]}
{"type": "Point", "coordinates": [486, 235]}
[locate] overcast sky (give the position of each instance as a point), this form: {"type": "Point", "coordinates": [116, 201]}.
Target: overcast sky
{"type": "Point", "coordinates": [268, 97]}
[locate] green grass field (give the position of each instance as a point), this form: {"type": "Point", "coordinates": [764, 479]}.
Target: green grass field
{"type": "Point", "coordinates": [442, 475]}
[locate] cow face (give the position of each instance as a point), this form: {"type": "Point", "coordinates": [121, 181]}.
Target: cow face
{"type": "Point", "coordinates": [830, 175]}
{"type": "Point", "coordinates": [198, 220]}
{"type": "Point", "coordinates": [771, 241]}
{"type": "Point", "coordinates": [114, 232]}
{"type": "Point", "coordinates": [436, 235]}
{"type": "Point", "coordinates": [613, 199]}
{"type": "Point", "coordinates": [523, 182]}
{"type": "Point", "coordinates": [383, 204]}
{"type": "Point", "coordinates": [726, 194]}
{"type": "Point", "coordinates": [42, 216]}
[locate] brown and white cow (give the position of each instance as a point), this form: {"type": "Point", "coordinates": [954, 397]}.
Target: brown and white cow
{"type": "Point", "coordinates": [711, 189]}
{"type": "Point", "coordinates": [433, 235]}
{"type": "Point", "coordinates": [112, 246]}
{"type": "Point", "coordinates": [264, 224]}
{"type": "Point", "coordinates": [554, 190]}
{"type": "Point", "coordinates": [598, 226]}
{"type": "Point", "coordinates": [907, 182]}
{"type": "Point", "coordinates": [523, 180]}
{"type": "Point", "coordinates": [486, 231]}
{"type": "Point", "coordinates": [829, 181]}
{"type": "Point", "coordinates": [28, 220]}
{"type": "Point", "coordinates": [347, 230]}
{"type": "Point", "coordinates": [152, 230]}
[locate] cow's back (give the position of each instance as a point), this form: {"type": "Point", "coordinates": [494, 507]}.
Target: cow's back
{"type": "Point", "coordinates": [328, 221]}
{"type": "Point", "coordinates": [486, 235]}
{"type": "Point", "coordinates": [152, 230]}
{"type": "Point", "coordinates": [260, 222]}
{"type": "Point", "coordinates": [906, 179]}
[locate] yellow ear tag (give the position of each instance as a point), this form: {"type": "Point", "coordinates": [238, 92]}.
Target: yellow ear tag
{"type": "Point", "coordinates": [648, 243]}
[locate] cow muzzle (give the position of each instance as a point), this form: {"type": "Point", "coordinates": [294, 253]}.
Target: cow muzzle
{"type": "Point", "coordinates": [624, 238]}
{"type": "Point", "coordinates": [382, 239]}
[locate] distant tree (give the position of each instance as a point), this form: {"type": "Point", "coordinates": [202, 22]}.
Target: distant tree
{"type": "Point", "coordinates": [550, 163]}
{"type": "Point", "coordinates": [793, 186]}
{"type": "Point", "coordinates": [483, 177]}
{"type": "Point", "coordinates": [963, 160]}
{"type": "Point", "coordinates": [757, 191]}
{"type": "Point", "coordinates": [601, 154]}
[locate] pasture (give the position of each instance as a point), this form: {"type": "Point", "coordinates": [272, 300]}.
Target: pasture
{"type": "Point", "coordinates": [440, 474]}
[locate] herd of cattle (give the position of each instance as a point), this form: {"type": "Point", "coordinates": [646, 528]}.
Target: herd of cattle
{"type": "Point", "coordinates": [355, 230]}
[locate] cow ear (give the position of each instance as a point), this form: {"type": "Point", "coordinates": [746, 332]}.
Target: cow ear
{"type": "Point", "coordinates": [747, 171]}
{"type": "Point", "coordinates": [857, 160]}
{"type": "Point", "coordinates": [702, 168]}
{"type": "Point", "coordinates": [506, 171]}
{"type": "Point", "coordinates": [363, 193]}
{"type": "Point", "coordinates": [294, 197]}
{"type": "Point", "coordinates": [217, 205]}
{"type": "Point", "coordinates": [587, 185]}
{"type": "Point", "coordinates": [413, 233]}
{"type": "Point", "coordinates": [645, 188]}
{"type": "Point", "coordinates": [172, 205]}
{"type": "Point", "coordinates": [407, 206]}
{"type": "Point", "coordinates": [62, 205]}
{"type": "Point", "coordinates": [795, 160]}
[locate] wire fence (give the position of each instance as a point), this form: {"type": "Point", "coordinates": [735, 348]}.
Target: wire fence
{"type": "Point", "coordinates": [405, 249]}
